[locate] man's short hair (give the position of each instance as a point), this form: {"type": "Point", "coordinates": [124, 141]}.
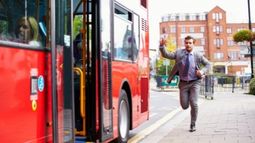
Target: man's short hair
{"type": "Point", "coordinates": [190, 37]}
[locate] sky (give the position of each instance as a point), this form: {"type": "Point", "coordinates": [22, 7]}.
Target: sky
{"type": "Point", "coordinates": [236, 10]}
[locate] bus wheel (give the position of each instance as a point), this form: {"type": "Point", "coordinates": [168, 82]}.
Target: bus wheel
{"type": "Point", "coordinates": [123, 118]}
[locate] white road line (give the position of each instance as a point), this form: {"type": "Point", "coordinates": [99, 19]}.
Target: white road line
{"type": "Point", "coordinates": [153, 127]}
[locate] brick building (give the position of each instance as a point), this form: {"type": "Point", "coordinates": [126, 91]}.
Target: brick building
{"type": "Point", "coordinates": [213, 38]}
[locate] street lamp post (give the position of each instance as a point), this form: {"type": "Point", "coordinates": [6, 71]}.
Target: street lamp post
{"type": "Point", "coordinates": [251, 49]}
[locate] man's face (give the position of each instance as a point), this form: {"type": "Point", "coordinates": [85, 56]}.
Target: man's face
{"type": "Point", "coordinates": [189, 44]}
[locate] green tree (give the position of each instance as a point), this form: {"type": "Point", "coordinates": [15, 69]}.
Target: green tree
{"type": "Point", "coordinates": [241, 36]}
{"type": "Point", "coordinates": [252, 86]}
{"type": "Point", "coordinates": [244, 35]}
{"type": "Point", "coordinates": [161, 68]}
{"type": "Point", "coordinates": [77, 24]}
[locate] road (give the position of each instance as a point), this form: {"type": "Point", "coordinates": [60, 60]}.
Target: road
{"type": "Point", "coordinates": [161, 104]}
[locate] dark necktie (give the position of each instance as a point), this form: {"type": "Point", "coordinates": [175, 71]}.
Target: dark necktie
{"type": "Point", "coordinates": [186, 67]}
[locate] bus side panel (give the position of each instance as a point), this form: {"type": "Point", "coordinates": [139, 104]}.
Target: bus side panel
{"type": "Point", "coordinates": [23, 112]}
{"type": "Point", "coordinates": [135, 73]}
{"type": "Point", "coordinates": [124, 71]}
{"type": "Point", "coordinates": [48, 98]}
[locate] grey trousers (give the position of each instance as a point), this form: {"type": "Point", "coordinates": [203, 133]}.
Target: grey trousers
{"type": "Point", "coordinates": [189, 92]}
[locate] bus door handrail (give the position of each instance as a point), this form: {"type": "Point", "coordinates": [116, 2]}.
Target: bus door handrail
{"type": "Point", "coordinates": [82, 100]}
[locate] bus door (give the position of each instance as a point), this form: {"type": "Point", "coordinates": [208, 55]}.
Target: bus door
{"type": "Point", "coordinates": [105, 71]}
{"type": "Point", "coordinates": [62, 70]}
{"type": "Point", "coordinates": [80, 70]}
{"type": "Point", "coordinates": [92, 70]}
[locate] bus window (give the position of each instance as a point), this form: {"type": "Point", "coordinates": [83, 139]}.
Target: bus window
{"type": "Point", "coordinates": [136, 34]}
{"type": "Point", "coordinates": [19, 21]}
{"type": "Point", "coordinates": [122, 34]}
{"type": "Point", "coordinates": [126, 34]}
{"type": "Point", "coordinates": [27, 30]}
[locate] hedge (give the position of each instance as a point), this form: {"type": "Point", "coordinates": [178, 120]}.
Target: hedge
{"type": "Point", "coordinates": [252, 86]}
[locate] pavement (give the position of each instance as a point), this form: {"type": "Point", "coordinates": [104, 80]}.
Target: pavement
{"type": "Point", "coordinates": [228, 118]}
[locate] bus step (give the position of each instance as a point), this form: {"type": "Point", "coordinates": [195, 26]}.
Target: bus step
{"type": "Point", "coordinates": [79, 139]}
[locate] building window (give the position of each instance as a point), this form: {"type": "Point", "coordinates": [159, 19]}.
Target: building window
{"type": "Point", "coordinates": [187, 17]}
{"type": "Point", "coordinates": [172, 29]}
{"type": "Point", "coordinates": [177, 17]}
{"type": "Point", "coordinates": [203, 41]}
{"type": "Point", "coordinates": [191, 29]}
{"type": "Point", "coordinates": [182, 18]}
{"type": "Point", "coordinates": [233, 55]}
{"type": "Point", "coordinates": [218, 56]}
{"type": "Point", "coordinates": [214, 28]}
{"type": "Point", "coordinates": [172, 17]}
{"type": "Point", "coordinates": [164, 19]}
{"type": "Point", "coordinates": [218, 29]}
{"type": "Point", "coordinates": [183, 29]}
{"type": "Point", "coordinates": [218, 42]}
{"type": "Point", "coordinates": [197, 17]}
{"type": "Point", "coordinates": [213, 16]}
{"type": "Point", "coordinates": [242, 43]}
{"type": "Point", "coordinates": [202, 29]}
{"type": "Point", "coordinates": [193, 17]}
{"type": "Point", "coordinates": [202, 17]}
{"type": "Point", "coordinates": [217, 16]}
{"type": "Point", "coordinates": [221, 42]}
{"type": "Point", "coordinates": [229, 30]}
{"type": "Point", "coordinates": [239, 29]}
{"type": "Point", "coordinates": [220, 15]}
{"type": "Point", "coordinates": [230, 43]}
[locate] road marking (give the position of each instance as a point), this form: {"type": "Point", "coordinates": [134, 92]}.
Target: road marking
{"type": "Point", "coordinates": [153, 127]}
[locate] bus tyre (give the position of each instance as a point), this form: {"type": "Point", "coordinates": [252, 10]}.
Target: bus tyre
{"type": "Point", "coordinates": [123, 118]}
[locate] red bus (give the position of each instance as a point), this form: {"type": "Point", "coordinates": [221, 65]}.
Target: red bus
{"type": "Point", "coordinates": [73, 70]}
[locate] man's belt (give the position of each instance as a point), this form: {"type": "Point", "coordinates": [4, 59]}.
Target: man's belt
{"type": "Point", "coordinates": [189, 81]}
